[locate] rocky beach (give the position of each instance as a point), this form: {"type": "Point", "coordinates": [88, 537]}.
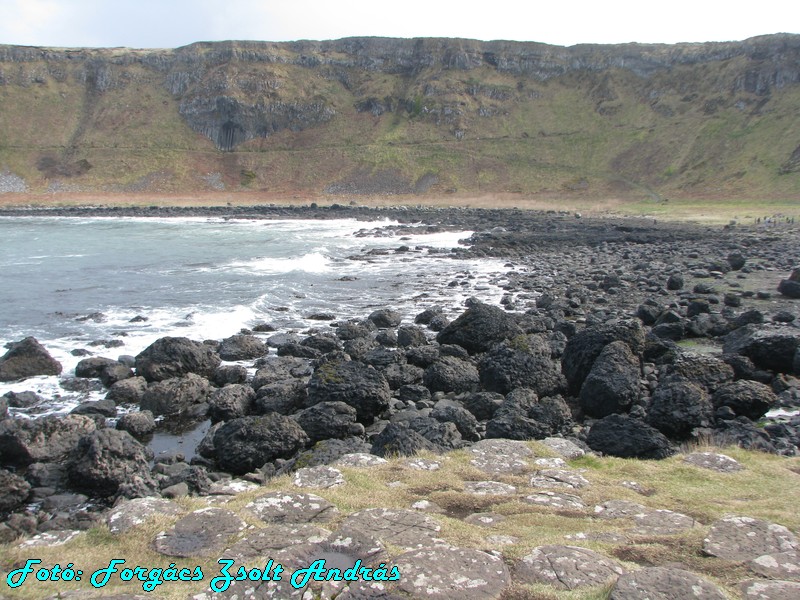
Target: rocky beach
{"type": "Point", "coordinates": [617, 342]}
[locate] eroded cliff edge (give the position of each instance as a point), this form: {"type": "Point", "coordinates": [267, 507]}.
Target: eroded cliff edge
{"type": "Point", "coordinates": [403, 116]}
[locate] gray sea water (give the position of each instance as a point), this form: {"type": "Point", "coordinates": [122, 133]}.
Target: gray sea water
{"type": "Point", "coordinates": [112, 286]}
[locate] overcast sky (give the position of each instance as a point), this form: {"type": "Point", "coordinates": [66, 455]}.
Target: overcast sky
{"type": "Point", "coordinates": [172, 23]}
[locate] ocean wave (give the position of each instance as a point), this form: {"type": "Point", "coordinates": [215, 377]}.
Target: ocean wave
{"type": "Point", "coordinates": [312, 262]}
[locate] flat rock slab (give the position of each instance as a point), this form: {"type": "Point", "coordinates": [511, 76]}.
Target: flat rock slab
{"type": "Point", "coordinates": [204, 532]}
{"type": "Point", "coordinates": [320, 477]}
{"type": "Point", "coordinates": [659, 583]}
{"type": "Point", "coordinates": [637, 487]}
{"type": "Point", "coordinates": [782, 565]}
{"type": "Point", "coordinates": [232, 487]}
{"type": "Point", "coordinates": [770, 590]}
{"type": "Point", "coordinates": [501, 457]}
{"type": "Point", "coordinates": [484, 519]}
{"type": "Point", "coordinates": [338, 552]}
{"type": "Point", "coordinates": [423, 464]}
{"type": "Point", "coordinates": [132, 513]}
{"type": "Point", "coordinates": [620, 509]}
{"type": "Point", "coordinates": [557, 500]}
{"type": "Point", "coordinates": [607, 537]}
{"type": "Point", "coordinates": [550, 463]}
{"type": "Point", "coordinates": [662, 522]}
{"type": "Point", "coordinates": [264, 542]}
{"type": "Point", "coordinates": [360, 459]}
{"type": "Point", "coordinates": [427, 506]}
{"type": "Point", "coordinates": [566, 567]}
{"type": "Point", "coordinates": [745, 538]}
{"type": "Point", "coordinates": [449, 572]}
{"type": "Point", "coordinates": [288, 507]}
{"type": "Point", "coordinates": [565, 448]}
{"type": "Point", "coordinates": [558, 478]}
{"type": "Point", "coordinates": [489, 488]}
{"type": "Point", "coordinates": [714, 462]}
{"type": "Point", "coordinates": [502, 540]}
{"type": "Point", "coordinates": [396, 526]}
{"type": "Point", "coordinates": [49, 539]}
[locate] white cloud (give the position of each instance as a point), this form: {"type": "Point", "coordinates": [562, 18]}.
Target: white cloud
{"type": "Point", "coordinates": [24, 21]}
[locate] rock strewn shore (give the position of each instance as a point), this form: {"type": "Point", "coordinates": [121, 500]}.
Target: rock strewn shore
{"type": "Point", "coordinates": [583, 348]}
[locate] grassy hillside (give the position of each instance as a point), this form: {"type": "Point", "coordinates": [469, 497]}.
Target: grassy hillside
{"type": "Point", "coordinates": [381, 119]}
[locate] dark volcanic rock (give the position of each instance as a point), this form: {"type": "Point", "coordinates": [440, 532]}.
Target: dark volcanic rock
{"type": "Point", "coordinates": [242, 347]}
{"type": "Point", "coordinates": [139, 424]}
{"type": "Point", "coordinates": [409, 335]}
{"type": "Point", "coordinates": [465, 421]}
{"type": "Point", "coordinates": [22, 399]}
{"type": "Point", "coordinates": [280, 368]}
{"type": "Point", "coordinates": [107, 460]}
{"type": "Point", "coordinates": [52, 438]}
{"type": "Point", "coordinates": [612, 385]}
{"type": "Point", "coordinates": [450, 374]}
{"type": "Point", "coordinates": [227, 374]}
{"type": "Point", "coordinates": [623, 436]}
{"type": "Point", "coordinates": [298, 350]}
{"type": "Point", "coordinates": [232, 401]}
{"type": "Point", "coordinates": [708, 371]}
{"type": "Point", "coordinates": [173, 396]}
{"type": "Point", "coordinates": [678, 406]}
{"type": "Point", "coordinates": [328, 451]}
{"type": "Point", "coordinates": [675, 282]}
{"type": "Point", "coordinates": [385, 317]}
{"type": "Point", "coordinates": [511, 420]}
{"type": "Point", "coordinates": [768, 348]}
{"type": "Point", "coordinates": [791, 287]}
{"type": "Point", "coordinates": [444, 435]}
{"type": "Point", "coordinates": [585, 346]}
{"type": "Point", "coordinates": [396, 440]}
{"type": "Point", "coordinates": [101, 408]}
{"type": "Point", "coordinates": [128, 391]}
{"type": "Point", "coordinates": [245, 444]}
{"type": "Point", "coordinates": [747, 398]}
{"type": "Point", "coordinates": [743, 433]}
{"type": "Point", "coordinates": [483, 404]}
{"type": "Point", "coordinates": [14, 491]}
{"type": "Point", "coordinates": [93, 366]}
{"type": "Point", "coordinates": [27, 358]}
{"type": "Point", "coordinates": [329, 420]}
{"type": "Point", "coordinates": [479, 328]}
{"type": "Point", "coordinates": [355, 384]}
{"type": "Point", "coordinates": [283, 397]}
{"type": "Point", "coordinates": [170, 357]}
{"type": "Point", "coordinates": [518, 363]}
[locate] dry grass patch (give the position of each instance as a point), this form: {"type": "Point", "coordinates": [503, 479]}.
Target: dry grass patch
{"type": "Point", "coordinates": [683, 552]}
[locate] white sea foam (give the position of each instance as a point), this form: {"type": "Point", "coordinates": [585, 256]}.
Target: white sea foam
{"type": "Point", "coordinates": [204, 278]}
{"type": "Point", "coordinates": [313, 262]}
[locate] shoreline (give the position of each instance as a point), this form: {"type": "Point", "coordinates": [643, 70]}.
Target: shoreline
{"type": "Point", "coordinates": [709, 210]}
{"type": "Point", "coordinates": [468, 402]}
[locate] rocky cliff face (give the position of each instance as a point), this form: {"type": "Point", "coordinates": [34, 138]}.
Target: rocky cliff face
{"type": "Point", "coordinates": [687, 116]}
